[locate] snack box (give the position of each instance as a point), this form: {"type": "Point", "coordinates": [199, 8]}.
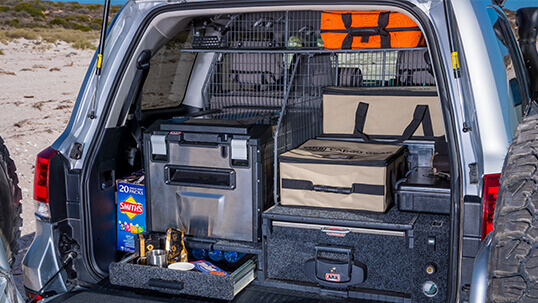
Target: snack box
{"type": "Point", "coordinates": [131, 210]}
{"type": "Point", "coordinates": [208, 268]}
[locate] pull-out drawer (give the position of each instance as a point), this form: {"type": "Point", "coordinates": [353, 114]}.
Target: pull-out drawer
{"type": "Point", "coordinates": [394, 259]}
{"type": "Point", "coordinates": [383, 252]}
{"type": "Point", "coordinates": [184, 282]}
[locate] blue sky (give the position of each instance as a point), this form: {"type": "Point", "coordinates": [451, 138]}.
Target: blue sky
{"type": "Point", "coordinates": [515, 4]}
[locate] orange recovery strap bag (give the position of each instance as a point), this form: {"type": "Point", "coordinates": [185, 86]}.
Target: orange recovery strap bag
{"type": "Point", "coordinates": [368, 29]}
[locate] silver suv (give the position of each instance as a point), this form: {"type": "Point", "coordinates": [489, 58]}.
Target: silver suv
{"type": "Point", "coordinates": [260, 78]}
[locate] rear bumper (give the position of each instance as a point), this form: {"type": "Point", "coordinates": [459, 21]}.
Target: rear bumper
{"type": "Point", "coordinates": [479, 284]}
{"type": "Point", "coordinates": [106, 292]}
{"type": "Point", "coordinates": [41, 262]}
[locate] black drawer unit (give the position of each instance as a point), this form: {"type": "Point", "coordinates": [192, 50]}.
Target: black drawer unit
{"type": "Point", "coordinates": [423, 192]}
{"type": "Point", "coordinates": [385, 257]}
{"type": "Point", "coordinates": [211, 178]}
{"type": "Point", "coordinates": [171, 281]}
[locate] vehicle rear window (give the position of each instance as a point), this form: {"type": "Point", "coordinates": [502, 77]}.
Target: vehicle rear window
{"type": "Point", "coordinates": [169, 74]}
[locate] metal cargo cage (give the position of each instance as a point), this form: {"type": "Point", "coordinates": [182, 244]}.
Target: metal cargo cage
{"type": "Point", "coordinates": [271, 68]}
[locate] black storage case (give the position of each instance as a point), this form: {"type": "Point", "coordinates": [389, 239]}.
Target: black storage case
{"type": "Point", "coordinates": [423, 192]}
{"type": "Point", "coordinates": [210, 178]}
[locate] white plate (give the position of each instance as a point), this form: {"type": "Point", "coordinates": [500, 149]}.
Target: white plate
{"type": "Point", "coordinates": [181, 266]}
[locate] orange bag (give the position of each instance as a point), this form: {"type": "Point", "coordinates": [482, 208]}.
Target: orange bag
{"type": "Point", "coordinates": [368, 29]}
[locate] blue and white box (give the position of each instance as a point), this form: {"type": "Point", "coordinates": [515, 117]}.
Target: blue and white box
{"type": "Point", "coordinates": [131, 210]}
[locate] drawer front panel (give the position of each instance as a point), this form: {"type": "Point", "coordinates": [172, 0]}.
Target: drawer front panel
{"type": "Point", "coordinates": [391, 263]}
{"type": "Point", "coordinates": [183, 282]}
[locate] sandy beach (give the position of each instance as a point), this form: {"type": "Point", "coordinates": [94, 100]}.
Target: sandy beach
{"type": "Point", "coordinates": [39, 83]}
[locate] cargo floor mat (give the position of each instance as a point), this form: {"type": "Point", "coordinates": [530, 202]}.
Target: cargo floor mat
{"type": "Point", "coordinates": [106, 293]}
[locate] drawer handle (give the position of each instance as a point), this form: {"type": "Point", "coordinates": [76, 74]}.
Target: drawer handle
{"type": "Point", "coordinates": [166, 284]}
{"type": "Point", "coordinates": [331, 231]}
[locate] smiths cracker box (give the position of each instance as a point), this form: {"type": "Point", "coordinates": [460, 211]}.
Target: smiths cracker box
{"type": "Point", "coordinates": [131, 210]}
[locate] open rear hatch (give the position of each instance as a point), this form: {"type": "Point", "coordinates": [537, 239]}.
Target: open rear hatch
{"type": "Point", "coordinates": [310, 163]}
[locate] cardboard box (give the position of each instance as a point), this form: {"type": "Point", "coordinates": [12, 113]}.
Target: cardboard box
{"type": "Point", "coordinates": [131, 210]}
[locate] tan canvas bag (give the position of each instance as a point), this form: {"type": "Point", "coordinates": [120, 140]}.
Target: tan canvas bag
{"type": "Point", "coordinates": [390, 113]}
{"type": "Point", "coordinates": [340, 174]}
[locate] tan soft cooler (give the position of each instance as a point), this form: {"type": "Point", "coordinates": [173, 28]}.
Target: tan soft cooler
{"type": "Point", "coordinates": [388, 113]}
{"type": "Point", "coordinates": [341, 174]}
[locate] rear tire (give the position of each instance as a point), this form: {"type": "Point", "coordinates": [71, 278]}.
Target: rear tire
{"type": "Point", "coordinates": [513, 258]}
{"type": "Point", "coordinates": [10, 204]}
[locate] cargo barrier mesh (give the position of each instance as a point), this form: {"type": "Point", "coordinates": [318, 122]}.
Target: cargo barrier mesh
{"type": "Point", "coordinates": [273, 64]}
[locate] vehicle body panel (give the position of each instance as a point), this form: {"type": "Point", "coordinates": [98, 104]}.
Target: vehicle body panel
{"type": "Point", "coordinates": [479, 283]}
{"type": "Point", "coordinates": [44, 260]}
{"type": "Point", "coordinates": [6, 276]}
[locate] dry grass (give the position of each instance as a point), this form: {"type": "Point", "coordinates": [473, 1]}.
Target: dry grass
{"type": "Point", "coordinates": [68, 35]}
{"type": "Point", "coordinates": [84, 44]}
{"type": "Point", "coordinates": [11, 34]}
{"type": "Point", "coordinates": [80, 40]}
{"type": "Point", "coordinates": [50, 22]}
{"type": "Point", "coordinates": [42, 46]}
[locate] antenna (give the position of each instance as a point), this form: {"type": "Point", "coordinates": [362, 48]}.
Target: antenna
{"type": "Point", "coordinates": [100, 51]}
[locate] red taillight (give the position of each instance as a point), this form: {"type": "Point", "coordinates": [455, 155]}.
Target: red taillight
{"type": "Point", "coordinates": [33, 297]}
{"type": "Point", "coordinates": [491, 189]}
{"type": "Point", "coordinates": [41, 175]}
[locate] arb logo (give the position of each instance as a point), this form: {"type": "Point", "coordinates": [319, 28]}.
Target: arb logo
{"type": "Point", "coordinates": [130, 208]}
{"type": "Point", "coordinates": [332, 277]}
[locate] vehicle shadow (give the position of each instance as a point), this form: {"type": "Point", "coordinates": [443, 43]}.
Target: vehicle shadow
{"type": "Point", "coordinates": [16, 269]}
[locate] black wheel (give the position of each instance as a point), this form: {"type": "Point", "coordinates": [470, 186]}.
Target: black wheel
{"type": "Point", "coordinates": [10, 204]}
{"type": "Point", "coordinates": [513, 259]}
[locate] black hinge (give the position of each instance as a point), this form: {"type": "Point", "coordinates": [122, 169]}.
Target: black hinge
{"type": "Point", "coordinates": [76, 151]}
{"type": "Point", "coordinates": [266, 228]}
{"type": "Point", "coordinates": [67, 245]}
{"type": "Point", "coordinates": [466, 128]}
